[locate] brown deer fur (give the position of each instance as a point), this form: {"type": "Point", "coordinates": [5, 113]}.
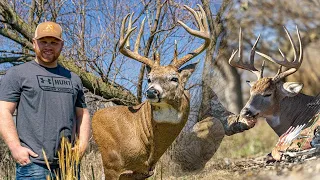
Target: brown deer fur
{"type": "Point", "coordinates": [132, 139]}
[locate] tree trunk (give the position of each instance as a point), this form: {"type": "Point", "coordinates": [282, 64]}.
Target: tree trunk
{"type": "Point", "coordinates": [109, 91]}
{"type": "Point", "coordinates": [193, 149]}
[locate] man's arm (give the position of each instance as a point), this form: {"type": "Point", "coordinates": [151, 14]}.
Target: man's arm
{"type": "Point", "coordinates": [83, 128]}
{"type": "Point", "coordinates": [9, 134]}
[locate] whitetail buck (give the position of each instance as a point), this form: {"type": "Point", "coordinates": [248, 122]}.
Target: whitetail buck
{"type": "Point", "coordinates": [132, 139]}
{"type": "Point", "coordinates": [281, 103]}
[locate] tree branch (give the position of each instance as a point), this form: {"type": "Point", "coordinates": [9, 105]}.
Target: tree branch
{"type": "Point", "coordinates": [17, 25]}
{"type": "Point", "coordinates": [15, 21]}
{"type": "Point", "coordinates": [31, 12]}
{"type": "Point", "coordinates": [16, 59]}
{"type": "Point", "coordinates": [15, 52]}
{"type": "Point", "coordinates": [15, 37]}
{"type": "Point", "coordinates": [120, 95]}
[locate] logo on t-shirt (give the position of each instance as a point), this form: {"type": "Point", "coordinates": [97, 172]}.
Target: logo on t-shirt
{"type": "Point", "coordinates": [56, 84]}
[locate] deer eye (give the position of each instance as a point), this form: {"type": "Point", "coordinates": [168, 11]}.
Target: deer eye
{"type": "Point", "coordinates": [174, 79]}
{"type": "Point", "coordinates": [149, 80]}
{"type": "Point", "coordinates": [267, 95]}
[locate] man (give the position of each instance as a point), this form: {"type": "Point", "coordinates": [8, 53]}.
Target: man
{"type": "Point", "coordinates": [50, 105]}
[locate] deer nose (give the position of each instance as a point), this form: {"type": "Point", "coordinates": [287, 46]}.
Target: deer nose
{"type": "Point", "coordinates": [245, 112]}
{"type": "Point", "coordinates": [152, 93]}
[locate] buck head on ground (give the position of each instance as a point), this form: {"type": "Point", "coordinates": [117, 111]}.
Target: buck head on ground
{"type": "Point", "coordinates": [132, 139]}
{"type": "Point", "coordinates": [281, 103]}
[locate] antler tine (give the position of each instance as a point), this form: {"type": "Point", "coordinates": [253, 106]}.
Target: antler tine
{"type": "Point", "coordinates": [125, 38]}
{"type": "Point", "coordinates": [240, 64]}
{"type": "Point", "coordinates": [130, 27]}
{"type": "Point", "coordinates": [262, 69]}
{"type": "Point", "coordinates": [137, 44]}
{"type": "Point", "coordinates": [203, 33]}
{"type": "Point", "coordinates": [293, 65]}
{"type": "Point", "coordinates": [156, 57]}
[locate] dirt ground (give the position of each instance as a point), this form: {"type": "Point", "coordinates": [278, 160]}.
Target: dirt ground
{"type": "Point", "coordinates": [256, 169]}
{"type": "Point", "coordinates": [225, 169]}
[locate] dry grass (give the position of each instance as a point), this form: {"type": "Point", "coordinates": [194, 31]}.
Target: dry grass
{"type": "Point", "coordinates": [255, 142]}
{"type": "Point", "coordinates": [91, 165]}
{"type": "Point", "coordinates": [69, 159]}
{"type": "Point", "coordinates": [7, 164]}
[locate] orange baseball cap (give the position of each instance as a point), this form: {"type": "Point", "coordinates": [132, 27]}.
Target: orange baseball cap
{"type": "Point", "coordinates": [50, 29]}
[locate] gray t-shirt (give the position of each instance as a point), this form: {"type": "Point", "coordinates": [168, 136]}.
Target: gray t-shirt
{"type": "Point", "coordinates": [47, 98]}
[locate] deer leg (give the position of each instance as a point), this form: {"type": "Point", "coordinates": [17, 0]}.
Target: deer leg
{"type": "Point", "coordinates": [111, 174]}
{"type": "Point", "coordinates": [112, 163]}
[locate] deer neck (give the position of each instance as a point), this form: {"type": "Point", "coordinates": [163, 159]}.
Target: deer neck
{"type": "Point", "coordinates": [157, 136]}
{"type": "Point", "coordinates": [167, 126]}
{"type": "Point", "coordinates": [293, 111]}
{"type": "Point", "coordinates": [165, 113]}
{"type": "Point", "coordinates": [172, 112]}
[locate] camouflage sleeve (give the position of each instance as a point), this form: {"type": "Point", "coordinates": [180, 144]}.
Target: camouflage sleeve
{"type": "Point", "coordinates": [232, 123]}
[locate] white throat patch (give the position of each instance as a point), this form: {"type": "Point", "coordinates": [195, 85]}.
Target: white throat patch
{"type": "Point", "coordinates": [166, 114]}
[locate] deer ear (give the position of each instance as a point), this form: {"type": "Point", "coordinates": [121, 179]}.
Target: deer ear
{"type": "Point", "coordinates": [291, 88]}
{"type": "Point", "coordinates": [187, 70]}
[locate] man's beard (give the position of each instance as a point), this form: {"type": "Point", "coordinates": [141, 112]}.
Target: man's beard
{"type": "Point", "coordinates": [40, 57]}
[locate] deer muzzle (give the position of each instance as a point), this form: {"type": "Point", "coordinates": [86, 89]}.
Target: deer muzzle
{"type": "Point", "coordinates": [152, 93]}
{"type": "Point", "coordinates": [248, 113]}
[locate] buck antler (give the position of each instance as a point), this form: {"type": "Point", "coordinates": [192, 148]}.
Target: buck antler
{"type": "Point", "coordinates": [292, 65]}
{"type": "Point", "coordinates": [203, 33]}
{"type": "Point", "coordinates": [243, 65]}
{"type": "Point", "coordinates": [124, 42]}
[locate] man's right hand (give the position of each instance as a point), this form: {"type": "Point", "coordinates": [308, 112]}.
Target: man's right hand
{"type": "Point", "coordinates": [22, 154]}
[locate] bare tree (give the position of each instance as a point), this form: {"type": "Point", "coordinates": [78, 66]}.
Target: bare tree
{"type": "Point", "coordinates": [16, 28]}
{"type": "Point", "coordinates": [91, 35]}
{"type": "Point", "coordinates": [255, 18]}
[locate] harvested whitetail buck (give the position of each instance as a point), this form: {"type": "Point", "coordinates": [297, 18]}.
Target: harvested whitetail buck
{"type": "Point", "coordinates": [132, 139]}
{"type": "Point", "coordinates": [280, 103]}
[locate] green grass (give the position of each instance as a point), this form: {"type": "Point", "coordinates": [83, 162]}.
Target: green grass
{"type": "Point", "coordinates": [256, 141]}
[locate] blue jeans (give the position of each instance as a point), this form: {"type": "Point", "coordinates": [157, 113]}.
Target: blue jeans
{"type": "Point", "coordinates": [34, 171]}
